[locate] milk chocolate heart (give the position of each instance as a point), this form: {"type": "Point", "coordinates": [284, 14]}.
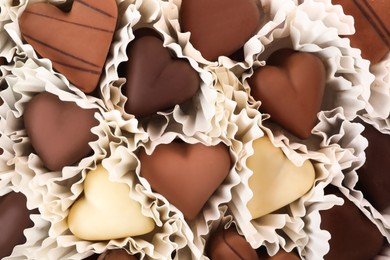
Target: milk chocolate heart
{"type": "Point", "coordinates": [290, 88]}
{"type": "Point", "coordinates": [59, 131]}
{"type": "Point", "coordinates": [353, 235]}
{"type": "Point", "coordinates": [155, 80]}
{"type": "Point", "coordinates": [186, 174]}
{"type": "Point", "coordinates": [106, 211]}
{"type": "Point", "coordinates": [14, 219]}
{"type": "Point", "coordinates": [219, 27]}
{"type": "Point", "coordinates": [276, 181]}
{"type": "Point", "coordinates": [76, 42]}
{"type": "Point", "coordinates": [374, 175]}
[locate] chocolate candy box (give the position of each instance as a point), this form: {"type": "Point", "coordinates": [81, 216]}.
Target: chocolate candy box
{"type": "Point", "coordinates": [183, 124]}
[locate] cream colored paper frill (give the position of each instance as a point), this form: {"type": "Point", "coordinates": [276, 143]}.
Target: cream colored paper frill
{"type": "Point", "coordinates": [118, 157]}
{"type": "Point", "coordinates": [347, 75]}
{"type": "Point", "coordinates": [273, 14]}
{"type": "Point", "coordinates": [193, 115]}
{"type": "Point", "coordinates": [377, 113]}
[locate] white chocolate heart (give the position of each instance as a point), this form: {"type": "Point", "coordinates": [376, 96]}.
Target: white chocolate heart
{"type": "Point", "coordinates": [106, 210]}
{"type": "Point", "coordinates": [276, 181]}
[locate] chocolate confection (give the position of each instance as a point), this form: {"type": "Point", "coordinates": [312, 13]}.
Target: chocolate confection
{"type": "Point", "coordinates": [219, 27]}
{"type": "Point", "coordinates": [290, 88]}
{"type": "Point", "coordinates": [155, 81]}
{"type": "Point", "coordinates": [106, 211]}
{"type": "Point", "coordinates": [228, 244]}
{"type": "Point", "coordinates": [186, 174]}
{"type": "Point", "coordinates": [353, 235]}
{"type": "Point", "coordinates": [374, 175]}
{"type": "Point", "coordinates": [59, 131]}
{"type": "Point", "coordinates": [372, 24]}
{"type": "Point", "coordinates": [76, 42]}
{"type": "Point", "coordinates": [276, 181]}
{"type": "Point", "coordinates": [14, 219]}
{"type": "Point", "coordinates": [118, 254]}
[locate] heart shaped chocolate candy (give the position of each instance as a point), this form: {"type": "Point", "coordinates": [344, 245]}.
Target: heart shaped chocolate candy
{"type": "Point", "coordinates": [155, 80]}
{"type": "Point", "coordinates": [353, 235]}
{"type": "Point", "coordinates": [77, 42]}
{"type": "Point", "coordinates": [291, 87]}
{"type": "Point", "coordinates": [59, 131]}
{"type": "Point", "coordinates": [219, 27]}
{"type": "Point", "coordinates": [106, 211]}
{"type": "Point", "coordinates": [276, 181]}
{"type": "Point", "coordinates": [186, 174]}
{"type": "Point", "coordinates": [14, 219]}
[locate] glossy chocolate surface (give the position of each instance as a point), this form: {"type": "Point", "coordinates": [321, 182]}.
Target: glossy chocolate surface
{"type": "Point", "coordinates": [186, 174]}
{"type": "Point", "coordinates": [374, 175]}
{"type": "Point", "coordinates": [59, 131]}
{"type": "Point", "coordinates": [372, 24]}
{"type": "Point", "coordinates": [77, 42]}
{"type": "Point", "coordinates": [353, 235]}
{"type": "Point", "coordinates": [290, 88]}
{"type": "Point", "coordinates": [155, 80]}
{"type": "Point", "coordinates": [14, 219]}
{"type": "Point", "coordinates": [219, 27]}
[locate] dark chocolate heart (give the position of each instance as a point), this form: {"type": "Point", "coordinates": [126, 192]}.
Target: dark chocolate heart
{"type": "Point", "coordinates": [14, 219]}
{"type": "Point", "coordinates": [374, 175]}
{"type": "Point", "coordinates": [186, 174]}
{"type": "Point", "coordinates": [59, 131]}
{"type": "Point", "coordinates": [290, 88]}
{"type": "Point", "coordinates": [155, 80]}
{"type": "Point", "coordinates": [353, 235]}
{"type": "Point", "coordinates": [76, 42]}
{"type": "Point", "coordinates": [219, 27]}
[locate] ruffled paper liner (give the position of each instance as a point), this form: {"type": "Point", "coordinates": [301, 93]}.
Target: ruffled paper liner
{"type": "Point", "coordinates": [56, 191]}
{"type": "Point", "coordinates": [377, 112]}
{"type": "Point", "coordinates": [243, 124]}
{"type": "Point", "coordinates": [25, 50]}
{"type": "Point", "coordinates": [193, 115]}
{"type": "Point", "coordinates": [350, 156]}
{"type": "Point", "coordinates": [273, 12]}
{"type": "Point", "coordinates": [119, 158]}
{"type": "Point", "coordinates": [347, 187]}
{"type": "Point", "coordinates": [347, 75]}
{"type": "Point", "coordinates": [38, 245]}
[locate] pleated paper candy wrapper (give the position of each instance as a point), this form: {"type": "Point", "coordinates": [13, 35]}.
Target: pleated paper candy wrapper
{"type": "Point", "coordinates": [223, 111]}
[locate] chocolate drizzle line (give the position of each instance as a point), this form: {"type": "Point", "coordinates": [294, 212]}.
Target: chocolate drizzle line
{"type": "Point", "coordinates": [95, 8]}
{"type": "Point", "coordinates": [76, 67]}
{"type": "Point", "coordinates": [65, 21]}
{"type": "Point", "coordinates": [227, 243]}
{"type": "Point", "coordinates": [374, 20]}
{"type": "Point", "coordinates": [58, 50]}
